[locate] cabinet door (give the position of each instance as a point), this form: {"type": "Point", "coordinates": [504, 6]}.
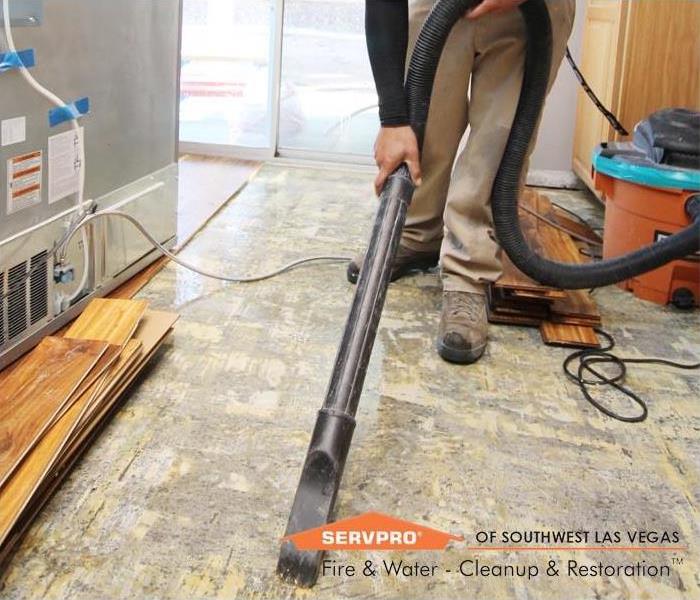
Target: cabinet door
{"type": "Point", "coordinates": [600, 64]}
{"type": "Point", "coordinates": [662, 58]}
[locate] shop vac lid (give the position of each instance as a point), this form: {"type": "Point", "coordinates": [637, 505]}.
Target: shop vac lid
{"type": "Point", "coordinates": [664, 152]}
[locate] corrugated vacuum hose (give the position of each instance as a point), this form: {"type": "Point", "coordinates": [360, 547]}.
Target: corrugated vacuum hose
{"type": "Point", "coordinates": [504, 196]}
{"type": "Point", "coordinates": [330, 442]}
{"type": "Point", "coordinates": [506, 187]}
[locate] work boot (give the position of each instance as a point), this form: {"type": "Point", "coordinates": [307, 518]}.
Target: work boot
{"type": "Point", "coordinates": [463, 327]}
{"type": "Point", "coordinates": [406, 261]}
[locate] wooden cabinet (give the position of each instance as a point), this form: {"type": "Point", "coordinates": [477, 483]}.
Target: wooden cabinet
{"type": "Point", "coordinates": [638, 56]}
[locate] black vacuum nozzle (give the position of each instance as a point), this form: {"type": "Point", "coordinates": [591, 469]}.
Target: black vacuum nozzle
{"type": "Point", "coordinates": [316, 494]}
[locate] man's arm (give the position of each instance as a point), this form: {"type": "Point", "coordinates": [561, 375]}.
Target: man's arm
{"type": "Point", "coordinates": [386, 27]}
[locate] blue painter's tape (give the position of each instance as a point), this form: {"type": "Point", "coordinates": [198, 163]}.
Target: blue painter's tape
{"type": "Point", "coordinates": [14, 60]}
{"type": "Point", "coordinates": [75, 110]}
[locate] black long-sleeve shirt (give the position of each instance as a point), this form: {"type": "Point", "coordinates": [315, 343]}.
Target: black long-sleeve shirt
{"type": "Point", "coordinates": [386, 29]}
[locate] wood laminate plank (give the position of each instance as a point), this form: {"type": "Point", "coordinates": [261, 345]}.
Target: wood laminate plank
{"type": "Point", "coordinates": [103, 321]}
{"type": "Point", "coordinates": [35, 390]}
{"type": "Point", "coordinates": [515, 298]}
{"type": "Point", "coordinates": [153, 329]}
{"type": "Point", "coordinates": [497, 318]}
{"type": "Point", "coordinates": [129, 356]}
{"type": "Point", "coordinates": [577, 227]}
{"type": "Point", "coordinates": [569, 320]}
{"type": "Point", "coordinates": [68, 438]}
{"type": "Point", "coordinates": [132, 286]}
{"type": "Point", "coordinates": [51, 483]}
{"type": "Point", "coordinates": [151, 333]}
{"type": "Point", "coordinates": [101, 407]}
{"type": "Point", "coordinates": [571, 336]}
{"type": "Point", "coordinates": [534, 296]}
{"type": "Point", "coordinates": [513, 278]}
{"type": "Point", "coordinates": [505, 305]}
{"type": "Point", "coordinates": [557, 244]}
{"type": "Point", "coordinates": [18, 490]}
{"type": "Point", "coordinates": [110, 356]}
{"type": "Point", "coordinates": [108, 319]}
{"type": "Point", "coordinates": [206, 184]}
{"type": "Point", "coordinates": [578, 304]}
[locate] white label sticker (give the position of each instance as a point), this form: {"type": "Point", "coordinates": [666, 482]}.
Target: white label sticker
{"type": "Point", "coordinates": [24, 181]}
{"type": "Point", "coordinates": [64, 164]}
{"type": "Point", "coordinates": [13, 131]}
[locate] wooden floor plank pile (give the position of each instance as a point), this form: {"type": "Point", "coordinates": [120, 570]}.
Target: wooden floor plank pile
{"type": "Point", "coordinates": [564, 317]}
{"type": "Point", "coordinates": [55, 399]}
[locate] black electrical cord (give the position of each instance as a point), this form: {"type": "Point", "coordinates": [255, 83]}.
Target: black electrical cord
{"type": "Point", "coordinates": [603, 356]}
{"type": "Point", "coordinates": [611, 118]}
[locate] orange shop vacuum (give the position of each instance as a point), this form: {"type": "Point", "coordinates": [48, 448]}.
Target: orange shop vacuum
{"type": "Point", "coordinates": [646, 184]}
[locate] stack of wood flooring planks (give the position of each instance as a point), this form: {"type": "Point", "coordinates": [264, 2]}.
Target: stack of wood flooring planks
{"type": "Point", "coordinates": [564, 317]}
{"type": "Point", "coordinates": [56, 398]}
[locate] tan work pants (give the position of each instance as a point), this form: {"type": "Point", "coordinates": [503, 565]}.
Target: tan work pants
{"type": "Point", "coordinates": [452, 208]}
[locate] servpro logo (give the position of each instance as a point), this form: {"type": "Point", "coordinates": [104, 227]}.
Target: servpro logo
{"type": "Point", "coordinates": [371, 531]}
{"type": "Point", "coordinates": [368, 538]}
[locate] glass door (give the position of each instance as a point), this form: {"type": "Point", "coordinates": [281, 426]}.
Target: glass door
{"type": "Point", "coordinates": [227, 76]}
{"type": "Point", "coordinates": [328, 103]}
{"type": "Point", "coordinates": [261, 78]}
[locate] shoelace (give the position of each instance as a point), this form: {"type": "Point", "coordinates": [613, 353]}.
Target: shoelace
{"type": "Point", "coordinates": [460, 304]}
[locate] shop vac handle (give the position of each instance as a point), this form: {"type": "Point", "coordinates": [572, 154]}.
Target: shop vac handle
{"type": "Point", "coordinates": [361, 325]}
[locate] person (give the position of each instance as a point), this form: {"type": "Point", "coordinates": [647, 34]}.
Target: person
{"type": "Point", "coordinates": [477, 85]}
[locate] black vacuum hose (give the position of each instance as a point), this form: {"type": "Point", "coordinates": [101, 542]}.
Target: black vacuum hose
{"type": "Point", "coordinates": [506, 187]}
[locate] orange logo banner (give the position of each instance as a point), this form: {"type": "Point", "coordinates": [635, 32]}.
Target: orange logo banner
{"type": "Point", "coordinates": [371, 531]}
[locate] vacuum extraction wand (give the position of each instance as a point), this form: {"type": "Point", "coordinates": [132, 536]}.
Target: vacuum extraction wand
{"type": "Point", "coordinates": [330, 440]}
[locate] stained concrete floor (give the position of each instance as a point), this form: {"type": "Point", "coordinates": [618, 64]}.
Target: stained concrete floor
{"type": "Point", "coordinates": [187, 492]}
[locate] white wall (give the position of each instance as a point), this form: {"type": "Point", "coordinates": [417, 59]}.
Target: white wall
{"type": "Point", "coordinates": [556, 138]}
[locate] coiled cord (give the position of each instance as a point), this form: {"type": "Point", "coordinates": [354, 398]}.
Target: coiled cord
{"type": "Point", "coordinates": [603, 356]}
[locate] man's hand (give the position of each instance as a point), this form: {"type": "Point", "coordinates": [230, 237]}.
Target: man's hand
{"type": "Point", "coordinates": [394, 146]}
{"type": "Point", "coordinates": [493, 6]}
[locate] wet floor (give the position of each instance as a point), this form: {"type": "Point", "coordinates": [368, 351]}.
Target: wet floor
{"type": "Point", "coordinates": [187, 491]}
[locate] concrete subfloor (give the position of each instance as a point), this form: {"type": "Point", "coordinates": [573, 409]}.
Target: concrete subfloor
{"type": "Point", "coordinates": [187, 492]}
